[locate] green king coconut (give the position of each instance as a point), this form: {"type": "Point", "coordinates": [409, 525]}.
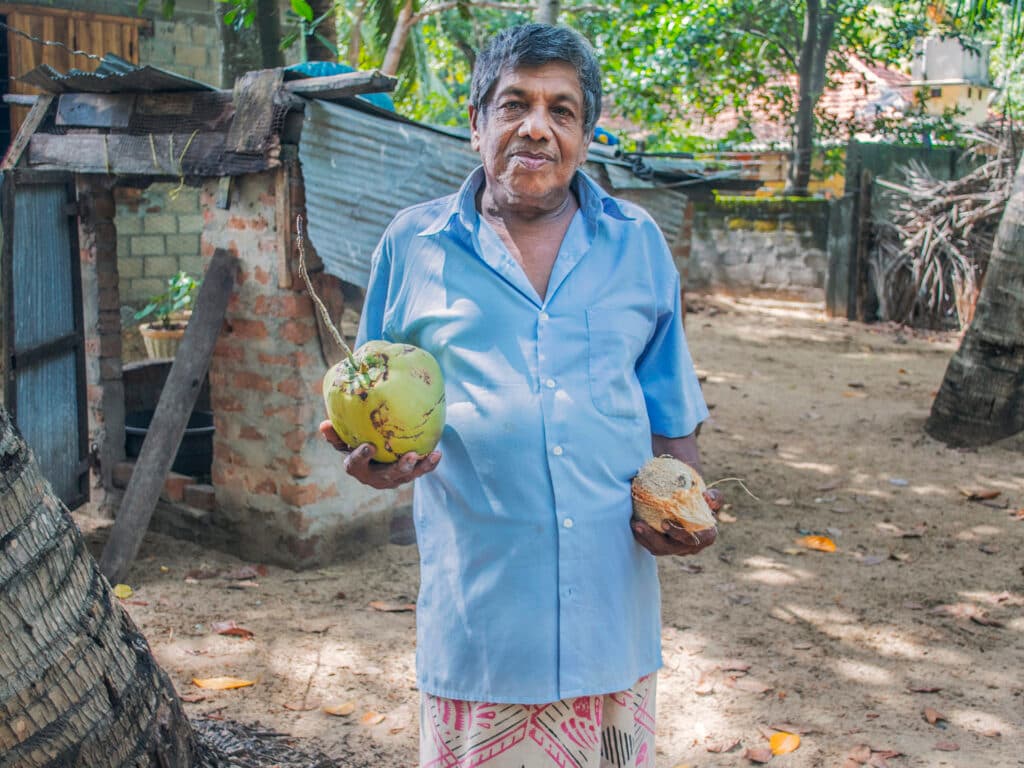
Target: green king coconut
{"type": "Point", "coordinates": [390, 395]}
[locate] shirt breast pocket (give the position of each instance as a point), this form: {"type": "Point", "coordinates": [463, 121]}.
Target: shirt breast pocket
{"type": "Point", "coordinates": [615, 339]}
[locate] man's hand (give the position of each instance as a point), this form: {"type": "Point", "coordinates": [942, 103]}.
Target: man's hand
{"type": "Point", "coordinates": [676, 540]}
{"type": "Point", "coordinates": [360, 464]}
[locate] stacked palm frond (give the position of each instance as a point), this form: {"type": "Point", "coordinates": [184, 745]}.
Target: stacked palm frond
{"type": "Point", "coordinates": [931, 250]}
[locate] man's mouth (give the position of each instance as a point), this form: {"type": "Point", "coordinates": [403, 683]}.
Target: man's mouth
{"type": "Point", "coordinates": [531, 160]}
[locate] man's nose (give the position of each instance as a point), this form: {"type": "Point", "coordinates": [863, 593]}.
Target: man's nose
{"type": "Point", "coordinates": [535, 125]}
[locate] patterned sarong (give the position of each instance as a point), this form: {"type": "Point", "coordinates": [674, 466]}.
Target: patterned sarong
{"type": "Point", "coordinates": [611, 731]}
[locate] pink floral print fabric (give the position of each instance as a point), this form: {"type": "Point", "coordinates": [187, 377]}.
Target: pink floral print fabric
{"type": "Point", "coordinates": [611, 731]}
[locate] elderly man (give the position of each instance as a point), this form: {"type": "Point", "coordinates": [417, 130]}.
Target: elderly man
{"type": "Point", "coordinates": [554, 312]}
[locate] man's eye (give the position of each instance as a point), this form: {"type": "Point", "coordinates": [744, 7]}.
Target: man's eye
{"type": "Point", "coordinates": [562, 111]}
{"type": "Point", "coordinates": [512, 106]}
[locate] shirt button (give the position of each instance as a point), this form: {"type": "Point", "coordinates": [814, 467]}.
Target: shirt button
{"type": "Point", "coordinates": [544, 315]}
{"type": "Point", "coordinates": [557, 450]}
{"type": "Point", "coordinates": [567, 523]}
{"type": "Point", "coordinates": [550, 383]}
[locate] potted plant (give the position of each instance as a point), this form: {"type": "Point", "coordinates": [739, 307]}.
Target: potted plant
{"type": "Point", "coordinates": [168, 312]}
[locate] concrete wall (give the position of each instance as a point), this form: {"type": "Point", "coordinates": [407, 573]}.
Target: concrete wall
{"type": "Point", "coordinates": [158, 231]}
{"type": "Point", "coordinates": [158, 228]}
{"type": "Point", "coordinates": [760, 247]}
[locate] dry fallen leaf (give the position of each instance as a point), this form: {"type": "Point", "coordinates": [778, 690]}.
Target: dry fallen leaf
{"type": "Point", "coordinates": [979, 494]}
{"type": "Point", "coordinates": [705, 685]}
{"type": "Point", "coordinates": [725, 517]}
{"type": "Point", "coordinates": [200, 573]}
{"type": "Point", "coordinates": [1019, 514]}
{"type": "Point", "coordinates": [192, 698]}
{"type": "Point", "coordinates": [734, 665]}
{"type": "Point", "coordinates": [299, 707]}
{"type": "Point", "coordinates": [723, 745]}
{"type": "Point", "coordinates": [371, 718]}
{"type": "Point", "coordinates": [230, 628]}
{"type": "Point", "coordinates": [222, 683]}
{"type": "Point", "coordinates": [246, 572]}
{"type": "Point", "coordinates": [392, 606]}
{"type": "Point", "coordinates": [123, 591]}
{"type": "Point", "coordinates": [758, 754]}
{"type": "Point", "coordinates": [340, 710]}
{"type": "Point", "coordinates": [860, 754]}
{"type": "Point", "coordinates": [933, 715]}
{"type": "Point", "coordinates": [748, 684]}
{"type": "Point", "coordinates": [947, 746]}
{"type": "Point", "coordinates": [783, 502]}
{"type": "Point", "coordinates": [782, 743]}
{"type": "Point", "coordinates": [819, 543]}
{"type": "Point", "coordinates": [924, 688]}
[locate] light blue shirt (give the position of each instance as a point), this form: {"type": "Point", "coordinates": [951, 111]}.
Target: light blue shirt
{"type": "Point", "coordinates": [532, 587]}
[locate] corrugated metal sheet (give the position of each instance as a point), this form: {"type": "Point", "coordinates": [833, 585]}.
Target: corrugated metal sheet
{"type": "Point", "coordinates": [46, 402]}
{"type": "Point", "coordinates": [41, 266]}
{"type": "Point", "coordinates": [360, 170]}
{"type": "Point", "coordinates": [114, 75]}
{"type": "Point", "coordinates": [45, 390]}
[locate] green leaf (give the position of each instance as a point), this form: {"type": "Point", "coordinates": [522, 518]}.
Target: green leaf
{"type": "Point", "coordinates": [302, 9]}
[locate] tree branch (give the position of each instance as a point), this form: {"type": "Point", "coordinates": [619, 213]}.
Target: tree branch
{"type": "Point", "coordinates": [773, 40]}
{"type": "Point", "coordinates": [448, 5]}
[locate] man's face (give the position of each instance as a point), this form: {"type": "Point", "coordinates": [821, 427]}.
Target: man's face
{"type": "Point", "coordinates": [530, 134]}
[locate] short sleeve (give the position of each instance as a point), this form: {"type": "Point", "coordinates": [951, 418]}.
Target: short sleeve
{"type": "Point", "coordinates": [371, 322]}
{"type": "Point", "coordinates": [667, 376]}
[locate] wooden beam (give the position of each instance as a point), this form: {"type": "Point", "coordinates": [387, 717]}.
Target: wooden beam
{"type": "Point", "coordinates": [172, 411]}
{"type": "Point", "coordinates": [164, 155]}
{"type": "Point", "coordinates": [341, 86]}
{"type": "Point", "coordinates": [20, 99]}
{"type": "Point", "coordinates": [28, 127]}
{"type": "Point", "coordinates": [252, 129]}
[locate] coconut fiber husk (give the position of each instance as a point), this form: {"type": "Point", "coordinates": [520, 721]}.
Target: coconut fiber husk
{"type": "Point", "coordinates": [666, 489]}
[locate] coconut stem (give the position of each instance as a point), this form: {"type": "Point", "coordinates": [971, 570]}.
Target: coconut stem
{"type": "Point", "coordinates": [324, 314]}
{"type": "Point", "coordinates": [735, 480]}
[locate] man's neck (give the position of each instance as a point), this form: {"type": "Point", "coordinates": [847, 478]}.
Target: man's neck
{"type": "Point", "coordinates": [516, 213]}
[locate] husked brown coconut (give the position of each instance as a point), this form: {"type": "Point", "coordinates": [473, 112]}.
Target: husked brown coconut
{"type": "Point", "coordinates": [666, 488]}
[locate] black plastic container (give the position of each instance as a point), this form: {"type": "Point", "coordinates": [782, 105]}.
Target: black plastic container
{"type": "Point", "coordinates": [195, 454]}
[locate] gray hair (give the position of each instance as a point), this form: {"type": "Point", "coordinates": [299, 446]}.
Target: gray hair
{"type": "Point", "coordinates": [534, 45]}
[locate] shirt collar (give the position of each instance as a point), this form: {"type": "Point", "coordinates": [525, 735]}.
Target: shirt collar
{"type": "Point", "coordinates": [461, 207]}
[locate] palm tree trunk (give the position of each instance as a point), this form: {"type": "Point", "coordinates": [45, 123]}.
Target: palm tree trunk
{"type": "Point", "coordinates": [403, 26]}
{"type": "Point", "coordinates": [547, 12]}
{"type": "Point", "coordinates": [981, 398]}
{"type": "Point", "coordinates": [78, 684]}
{"type": "Point", "coordinates": [323, 45]}
{"type": "Point", "coordinates": [355, 35]}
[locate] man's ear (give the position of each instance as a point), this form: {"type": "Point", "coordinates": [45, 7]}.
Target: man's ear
{"type": "Point", "coordinates": [474, 132]}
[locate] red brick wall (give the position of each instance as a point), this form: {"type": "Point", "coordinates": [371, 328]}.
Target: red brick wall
{"type": "Point", "coordinates": [101, 307]}
{"type": "Point", "coordinates": [279, 486]}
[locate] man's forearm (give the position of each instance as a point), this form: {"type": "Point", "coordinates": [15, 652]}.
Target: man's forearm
{"type": "Point", "coordinates": [683, 448]}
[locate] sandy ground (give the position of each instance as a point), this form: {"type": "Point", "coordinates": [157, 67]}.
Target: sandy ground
{"type": "Point", "coordinates": [918, 615]}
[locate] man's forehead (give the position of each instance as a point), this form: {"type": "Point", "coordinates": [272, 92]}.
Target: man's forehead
{"type": "Point", "coordinates": [557, 76]}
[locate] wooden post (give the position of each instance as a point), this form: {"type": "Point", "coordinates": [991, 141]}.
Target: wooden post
{"type": "Point", "coordinates": [171, 416]}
